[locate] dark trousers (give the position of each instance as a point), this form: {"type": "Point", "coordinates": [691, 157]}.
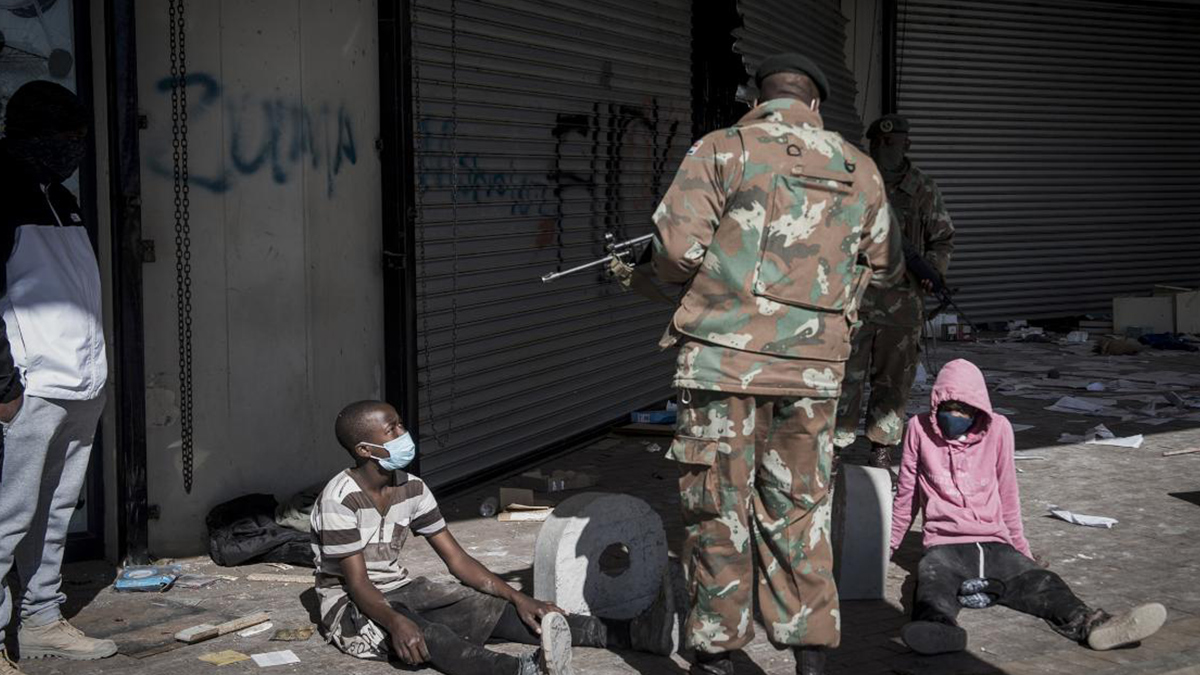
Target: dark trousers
{"type": "Point", "coordinates": [1016, 582]}
{"type": "Point", "coordinates": [453, 655]}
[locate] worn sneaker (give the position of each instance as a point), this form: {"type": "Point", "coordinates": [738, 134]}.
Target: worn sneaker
{"type": "Point", "coordinates": [712, 664]}
{"type": "Point", "coordinates": [881, 457]}
{"type": "Point", "coordinates": [1127, 628]}
{"type": "Point", "coordinates": [809, 660]}
{"type": "Point", "coordinates": [932, 637]}
{"type": "Point", "coordinates": [7, 667]}
{"type": "Point", "coordinates": [555, 658]}
{"type": "Point", "coordinates": [62, 640]}
{"type": "Point", "coordinates": [653, 631]}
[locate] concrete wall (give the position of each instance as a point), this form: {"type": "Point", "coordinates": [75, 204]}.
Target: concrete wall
{"type": "Point", "coordinates": [285, 221]}
{"type": "Point", "coordinates": [864, 55]}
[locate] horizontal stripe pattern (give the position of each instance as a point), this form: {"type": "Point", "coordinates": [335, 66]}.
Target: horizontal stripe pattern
{"type": "Point", "coordinates": [346, 521]}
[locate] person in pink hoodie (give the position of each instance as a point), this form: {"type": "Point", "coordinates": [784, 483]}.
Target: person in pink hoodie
{"type": "Point", "coordinates": [958, 470]}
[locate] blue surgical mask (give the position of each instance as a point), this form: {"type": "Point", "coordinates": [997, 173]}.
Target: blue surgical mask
{"type": "Point", "coordinates": [401, 451]}
{"type": "Point", "coordinates": [952, 425]}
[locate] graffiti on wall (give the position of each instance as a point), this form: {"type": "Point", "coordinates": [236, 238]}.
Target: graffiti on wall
{"type": "Point", "coordinates": [614, 138]}
{"type": "Point", "coordinates": [278, 136]}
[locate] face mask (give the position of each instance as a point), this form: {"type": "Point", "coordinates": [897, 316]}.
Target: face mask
{"type": "Point", "coordinates": [952, 425]}
{"type": "Point", "coordinates": [889, 158]}
{"type": "Point", "coordinates": [401, 451]}
{"type": "Point", "coordinates": [57, 157]}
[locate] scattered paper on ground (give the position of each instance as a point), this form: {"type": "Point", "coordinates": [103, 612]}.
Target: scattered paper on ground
{"type": "Point", "coordinates": [1017, 428]}
{"type": "Point", "coordinates": [224, 658]}
{"type": "Point", "coordinates": [1085, 520]}
{"type": "Point", "coordinates": [275, 658]}
{"type": "Point", "coordinates": [1100, 435]}
{"type": "Point", "coordinates": [1081, 406]}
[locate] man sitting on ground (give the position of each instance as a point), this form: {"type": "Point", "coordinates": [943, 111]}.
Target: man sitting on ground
{"type": "Point", "coordinates": [958, 469]}
{"type": "Point", "coordinates": [370, 604]}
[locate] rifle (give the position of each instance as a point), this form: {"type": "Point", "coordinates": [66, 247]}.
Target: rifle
{"type": "Point", "coordinates": [923, 271]}
{"type": "Point", "coordinates": [617, 250]}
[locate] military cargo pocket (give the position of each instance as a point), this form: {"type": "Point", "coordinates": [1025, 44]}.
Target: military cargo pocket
{"type": "Point", "coordinates": [801, 261]}
{"type": "Point", "coordinates": [698, 480]}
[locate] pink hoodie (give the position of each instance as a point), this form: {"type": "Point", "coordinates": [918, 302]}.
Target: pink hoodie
{"type": "Point", "coordinates": [966, 486]}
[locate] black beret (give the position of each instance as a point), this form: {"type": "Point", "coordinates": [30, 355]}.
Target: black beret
{"type": "Point", "coordinates": [43, 108]}
{"type": "Point", "coordinates": [792, 62]}
{"type": "Point", "coordinates": [888, 124]}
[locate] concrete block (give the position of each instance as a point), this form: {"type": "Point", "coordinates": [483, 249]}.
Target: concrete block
{"type": "Point", "coordinates": [862, 525]}
{"type": "Point", "coordinates": [600, 554]}
{"type": "Point", "coordinates": [1187, 312]}
{"type": "Point", "coordinates": [1156, 313]}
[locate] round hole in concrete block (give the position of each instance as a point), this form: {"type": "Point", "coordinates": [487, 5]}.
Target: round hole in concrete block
{"type": "Point", "coordinates": [614, 561]}
{"type": "Point", "coordinates": [601, 554]}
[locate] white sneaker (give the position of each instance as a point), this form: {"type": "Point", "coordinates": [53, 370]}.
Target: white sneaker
{"type": "Point", "coordinates": [62, 640]}
{"type": "Point", "coordinates": [7, 667]}
{"type": "Point", "coordinates": [1127, 628]}
{"type": "Point", "coordinates": [556, 645]}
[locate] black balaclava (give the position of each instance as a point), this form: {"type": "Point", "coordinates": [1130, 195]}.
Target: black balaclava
{"type": "Point", "coordinates": [43, 122]}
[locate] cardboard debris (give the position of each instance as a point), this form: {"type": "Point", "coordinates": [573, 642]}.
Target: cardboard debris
{"type": "Point", "coordinates": [275, 658]}
{"type": "Point", "coordinates": [519, 504]}
{"type": "Point", "coordinates": [193, 581]}
{"type": "Point", "coordinates": [292, 634]}
{"type": "Point", "coordinates": [1081, 519]}
{"type": "Point", "coordinates": [224, 658]}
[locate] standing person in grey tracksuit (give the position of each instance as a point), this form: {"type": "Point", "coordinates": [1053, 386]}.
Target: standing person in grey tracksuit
{"type": "Point", "coordinates": [50, 402]}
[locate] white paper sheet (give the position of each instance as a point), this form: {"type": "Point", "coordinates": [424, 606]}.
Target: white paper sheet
{"type": "Point", "coordinates": [1082, 406]}
{"type": "Point", "coordinates": [1018, 428]}
{"type": "Point", "coordinates": [275, 658]}
{"type": "Point", "coordinates": [1085, 520]}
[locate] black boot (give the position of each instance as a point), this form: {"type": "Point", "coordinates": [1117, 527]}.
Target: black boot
{"type": "Point", "coordinates": [881, 456]}
{"type": "Point", "coordinates": [712, 664]}
{"type": "Point", "coordinates": [933, 637]}
{"type": "Point", "coordinates": [809, 660]}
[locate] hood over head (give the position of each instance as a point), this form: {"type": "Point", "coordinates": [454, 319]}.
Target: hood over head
{"type": "Point", "coordinates": [961, 380]}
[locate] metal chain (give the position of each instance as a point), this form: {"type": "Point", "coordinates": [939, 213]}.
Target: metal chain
{"type": "Point", "coordinates": [183, 236]}
{"type": "Point", "coordinates": [439, 437]}
{"type": "Point", "coordinates": [453, 213]}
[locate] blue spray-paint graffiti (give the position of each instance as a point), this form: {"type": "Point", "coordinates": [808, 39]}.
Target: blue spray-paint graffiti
{"type": "Point", "coordinates": [276, 134]}
{"type": "Point", "coordinates": [436, 169]}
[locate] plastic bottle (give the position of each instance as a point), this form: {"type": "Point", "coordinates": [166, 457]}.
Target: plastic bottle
{"type": "Point", "coordinates": [489, 507]}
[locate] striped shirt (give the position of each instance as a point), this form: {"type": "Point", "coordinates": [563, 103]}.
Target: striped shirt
{"type": "Point", "coordinates": [345, 521]}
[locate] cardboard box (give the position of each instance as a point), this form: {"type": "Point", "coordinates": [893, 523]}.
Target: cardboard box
{"type": "Point", "coordinates": [1157, 314]}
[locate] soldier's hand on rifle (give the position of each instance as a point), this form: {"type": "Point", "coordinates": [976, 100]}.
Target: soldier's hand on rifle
{"type": "Point", "coordinates": [927, 285]}
{"type": "Point", "coordinates": [621, 271]}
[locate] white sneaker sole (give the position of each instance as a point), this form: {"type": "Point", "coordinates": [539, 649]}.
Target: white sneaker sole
{"type": "Point", "coordinates": [1135, 625]}
{"type": "Point", "coordinates": [556, 645]}
{"type": "Point", "coordinates": [50, 653]}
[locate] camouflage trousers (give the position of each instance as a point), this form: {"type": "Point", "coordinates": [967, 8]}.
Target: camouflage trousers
{"type": "Point", "coordinates": [754, 490]}
{"type": "Point", "coordinates": [889, 356]}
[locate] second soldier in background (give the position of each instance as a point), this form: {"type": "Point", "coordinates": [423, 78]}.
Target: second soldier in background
{"type": "Point", "coordinates": [887, 347]}
{"type": "Point", "coordinates": [776, 225]}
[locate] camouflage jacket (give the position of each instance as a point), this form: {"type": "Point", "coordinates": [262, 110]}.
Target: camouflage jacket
{"type": "Point", "coordinates": [920, 212]}
{"type": "Point", "coordinates": [776, 225]}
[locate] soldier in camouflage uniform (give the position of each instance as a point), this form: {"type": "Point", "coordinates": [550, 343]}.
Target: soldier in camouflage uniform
{"type": "Point", "coordinates": [775, 224]}
{"type": "Point", "coordinates": [887, 347]}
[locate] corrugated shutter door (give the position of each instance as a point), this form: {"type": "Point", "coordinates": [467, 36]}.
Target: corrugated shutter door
{"type": "Point", "coordinates": [815, 28]}
{"type": "Point", "coordinates": [541, 126]}
{"type": "Point", "coordinates": [1066, 138]}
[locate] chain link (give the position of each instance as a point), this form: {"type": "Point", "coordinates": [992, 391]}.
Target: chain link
{"type": "Point", "coordinates": [453, 213]}
{"type": "Point", "coordinates": [438, 436]}
{"type": "Point", "coordinates": [183, 236]}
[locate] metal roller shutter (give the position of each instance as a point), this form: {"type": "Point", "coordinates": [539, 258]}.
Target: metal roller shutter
{"type": "Point", "coordinates": [1065, 137]}
{"type": "Point", "coordinates": [815, 28]}
{"type": "Point", "coordinates": [542, 125]}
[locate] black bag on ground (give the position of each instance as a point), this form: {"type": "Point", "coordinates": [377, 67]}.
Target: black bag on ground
{"type": "Point", "coordinates": [243, 531]}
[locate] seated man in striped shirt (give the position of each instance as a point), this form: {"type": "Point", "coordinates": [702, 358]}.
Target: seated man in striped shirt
{"type": "Point", "coordinates": [370, 606]}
